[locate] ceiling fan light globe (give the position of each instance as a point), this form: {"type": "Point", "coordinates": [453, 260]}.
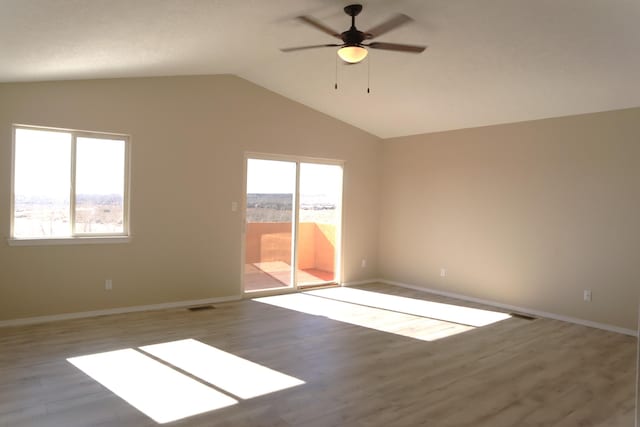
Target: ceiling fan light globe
{"type": "Point", "coordinates": [352, 54]}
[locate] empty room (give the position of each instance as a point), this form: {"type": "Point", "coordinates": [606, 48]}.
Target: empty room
{"type": "Point", "coordinates": [318, 213]}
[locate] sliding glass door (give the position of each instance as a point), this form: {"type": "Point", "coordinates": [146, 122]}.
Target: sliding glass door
{"type": "Point", "coordinates": [292, 223]}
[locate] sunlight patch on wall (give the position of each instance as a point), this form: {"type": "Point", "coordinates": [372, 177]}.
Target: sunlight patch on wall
{"type": "Point", "coordinates": [418, 307]}
{"type": "Point", "coordinates": [158, 391]}
{"type": "Point", "coordinates": [408, 325]}
{"type": "Point", "coordinates": [226, 371]}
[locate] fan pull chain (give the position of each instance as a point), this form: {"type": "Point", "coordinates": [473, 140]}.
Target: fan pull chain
{"type": "Point", "coordinates": [369, 74]}
{"type": "Point", "coordinates": [336, 83]}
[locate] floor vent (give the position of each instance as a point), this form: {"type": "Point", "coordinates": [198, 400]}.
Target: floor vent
{"type": "Point", "coordinates": [522, 316]}
{"type": "Point", "coordinates": [201, 307]}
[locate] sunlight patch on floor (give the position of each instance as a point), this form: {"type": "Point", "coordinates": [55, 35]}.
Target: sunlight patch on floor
{"type": "Point", "coordinates": [164, 394]}
{"type": "Point", "coordinates": [418, 307]}
{"type": "Point", "coordinates": [226, 371]}
{"type": "Point", "coordinates": [408, 325]}
{"type": "Point", "coordinates": [158, 391]}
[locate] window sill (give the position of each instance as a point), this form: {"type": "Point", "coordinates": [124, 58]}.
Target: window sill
{"type": "Point", "coordinates": [70, 241]}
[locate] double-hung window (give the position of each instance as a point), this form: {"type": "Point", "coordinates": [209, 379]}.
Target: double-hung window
{"type": "Point", "coordinates": [69, 186]}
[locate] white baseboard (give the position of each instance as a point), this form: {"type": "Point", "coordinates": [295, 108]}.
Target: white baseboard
{"type": "Point", "coordinates": [119, 310]}
{"type": "Point", "coordinates": [523, 310]}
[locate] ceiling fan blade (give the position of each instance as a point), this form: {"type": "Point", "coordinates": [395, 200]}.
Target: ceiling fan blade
{"type": "Point", "coordinates": [293, 49]}
{"type": "Point", "coordinates": [397, 47]}
{"type": "Point", "coordinates": [319, 26]}
{"type": "Point", "coordinates": [387, 26]}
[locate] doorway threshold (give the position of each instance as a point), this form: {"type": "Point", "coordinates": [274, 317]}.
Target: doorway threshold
{"type": "Point", "coordinates": [313, 286]}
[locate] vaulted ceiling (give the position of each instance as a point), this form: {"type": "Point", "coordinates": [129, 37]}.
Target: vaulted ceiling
{"type": "Point", "coordinates": [488, 61]}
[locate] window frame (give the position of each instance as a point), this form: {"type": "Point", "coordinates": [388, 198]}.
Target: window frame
{"type": "Point", "coordinates": [74, 237]}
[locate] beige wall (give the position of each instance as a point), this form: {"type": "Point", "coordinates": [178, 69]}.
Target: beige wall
{"type": "Point", "coordinates": [189, 135]}
{"type": "Point", "coordinates": [527, 214]}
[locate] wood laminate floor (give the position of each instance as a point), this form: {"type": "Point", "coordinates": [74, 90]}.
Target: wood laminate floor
{"type": "Point", "coordinates": [351, 365]}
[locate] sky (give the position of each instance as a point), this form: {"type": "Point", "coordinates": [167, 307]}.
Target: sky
{"type": "Point", "coordinates": [100, 166]}
{"type": "Point", "coordinates": [43, 164]}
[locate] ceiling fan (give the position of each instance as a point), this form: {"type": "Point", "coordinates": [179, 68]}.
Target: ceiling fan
{"type": "Point", "coordinates": [352, 49]}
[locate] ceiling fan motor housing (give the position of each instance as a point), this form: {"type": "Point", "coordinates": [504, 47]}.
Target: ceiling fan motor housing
{"type": "Point", "coordinates": [353, 37]}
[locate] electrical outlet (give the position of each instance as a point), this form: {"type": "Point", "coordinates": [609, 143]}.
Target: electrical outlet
{"type": "Point", "coordinates": [234, 206]}
{"type": "Point", "coordinates": [363, 264]}
{"type": "Point", "coordinates": [587, 295]}
{"type": "Point", "coordinates": [443, 272]}
{"type": "Point", "coordinates": [108, 285]}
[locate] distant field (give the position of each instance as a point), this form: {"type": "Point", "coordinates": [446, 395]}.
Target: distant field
{"type": "Point", "coordinates": [278, 208]}
{"type": "Point", "coordinates": [43, 217]}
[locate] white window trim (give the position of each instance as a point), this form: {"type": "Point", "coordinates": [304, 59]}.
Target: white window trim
{"type": "Point", "coordinates": [75, 238]}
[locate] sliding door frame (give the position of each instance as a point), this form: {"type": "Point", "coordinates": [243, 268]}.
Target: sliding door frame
{"type": "Point", "coordinates": [298, 160]}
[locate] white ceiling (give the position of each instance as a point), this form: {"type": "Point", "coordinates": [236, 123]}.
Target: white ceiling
{"type": "Point", "coordinates": [488, 61]}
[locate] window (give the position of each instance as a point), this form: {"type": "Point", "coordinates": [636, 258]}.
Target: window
{"type": "Point", "coordinates": [69, 185]}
